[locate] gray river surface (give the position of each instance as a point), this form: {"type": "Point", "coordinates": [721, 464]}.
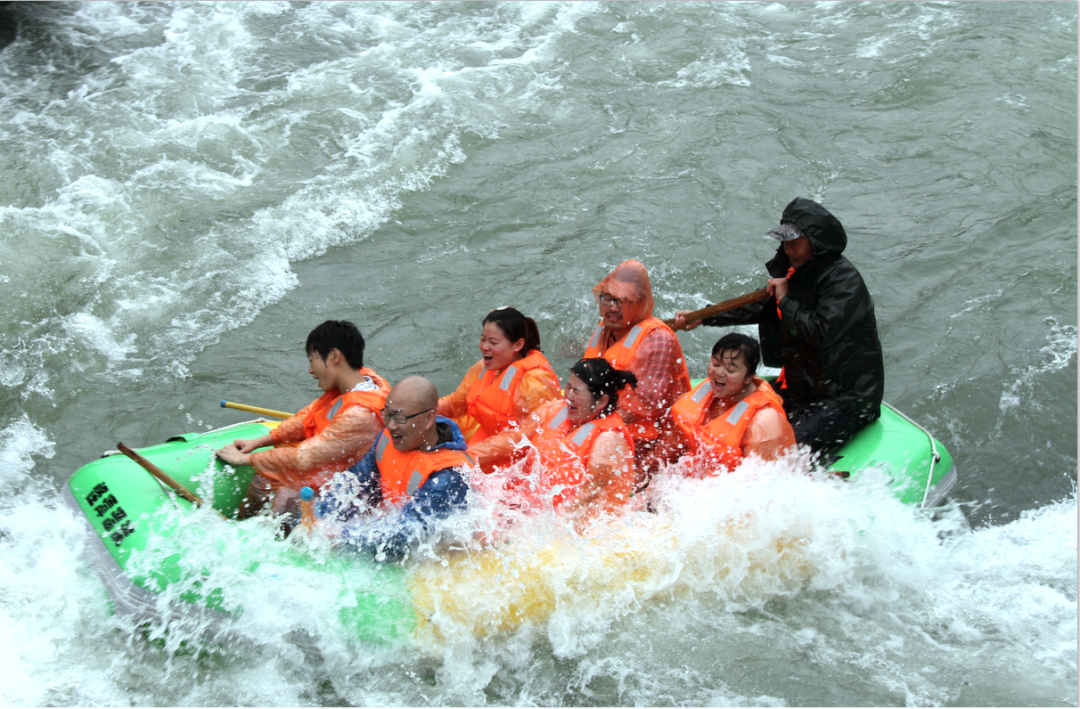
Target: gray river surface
{"type": "Point", "coordinates": [186, 189]}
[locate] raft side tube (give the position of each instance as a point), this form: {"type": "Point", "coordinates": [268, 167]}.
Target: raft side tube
{"type": "Point", "coordinates": [129, 598]}
{"type": "Point", "coordinates": [921, 469]}
{"type": "Point", "coordinates": [119, 502]}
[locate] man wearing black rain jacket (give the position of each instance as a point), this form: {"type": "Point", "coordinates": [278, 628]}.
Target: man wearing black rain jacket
{"type": "Point", "coordinates": [820, 327]}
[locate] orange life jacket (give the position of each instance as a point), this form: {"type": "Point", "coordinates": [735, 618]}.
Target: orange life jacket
{"type": "Point", "coordinates": [326, 407]}
{"type": "Point", "coordinates": [491, 400]}
{"type": "Point", "coordinates": [622, 354]}
{"type": "Point", "coordinates": [564, 450]}
{"type": "Point", "coordinates": [402, 473]}
{"type": "Point", "coordinates": [720, 440]}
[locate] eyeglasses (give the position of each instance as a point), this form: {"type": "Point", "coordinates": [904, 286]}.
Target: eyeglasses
{"type": "Point", "coordinates": [400, 419]}
{"type": "Point", "coordinates": [607, 300]}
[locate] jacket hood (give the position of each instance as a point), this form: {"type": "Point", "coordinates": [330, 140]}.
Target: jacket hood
{"type": "Point", "coordinates": [450, 436]}
{"type": "Point", "coordinates": [825, 231]}
{"type": "Point", "coordinates": [629, 282]}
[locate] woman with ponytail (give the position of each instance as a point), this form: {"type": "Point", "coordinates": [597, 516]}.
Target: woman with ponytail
{"type": "Point", "coordinates": [511, 380]}
{"type": "Point", "coordinates": [582, 458]}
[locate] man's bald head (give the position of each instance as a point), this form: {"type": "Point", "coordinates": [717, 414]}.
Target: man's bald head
{"type": "Point", "coordinates": [414, 398]}
{"type": "Point", "coordinates": [415, 390]}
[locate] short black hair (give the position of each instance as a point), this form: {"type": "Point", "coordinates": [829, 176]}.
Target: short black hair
{"type": "Point", "coordinates": [341, 335]}
{"type": "Point", "coordinates": [746, 346]}
{"type": "Point", "coordinates": [602, 378]}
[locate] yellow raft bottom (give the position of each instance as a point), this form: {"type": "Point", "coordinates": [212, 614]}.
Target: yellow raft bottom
{"type": "Point", "coordinates": [616, 566]}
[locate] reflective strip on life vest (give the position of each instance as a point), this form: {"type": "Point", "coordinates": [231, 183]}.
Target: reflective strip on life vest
{"type": "Point", "coordinates": [737, 412]}
{"type": "Point", "coordinates": [702, 392]}
{"type": "Point", "coordinates": [559, 418]}
{"type": "Point", "coordinates": [595, 340]}
{"type": "Point", "coordinates": [632, 337]}
{"type": "Point", "coordinates": [583, 434]}
{"type": "Point", "coordinates": [414, 482]}
{"type": "Point", "coordinates": [334, 409]}
{"type": "Point", "coordinates": [507, 378]}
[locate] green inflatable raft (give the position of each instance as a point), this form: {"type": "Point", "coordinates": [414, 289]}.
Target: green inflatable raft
{"type": "Point", "coordinates": [145, 541]}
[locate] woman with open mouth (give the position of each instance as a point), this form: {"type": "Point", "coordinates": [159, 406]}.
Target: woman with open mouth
{"type": "Point", "coordinates": [582, 457]}
{"type": "Point", "coordinates": [732, 414]}
{"type": "Point", "coordinates": [512, 379]}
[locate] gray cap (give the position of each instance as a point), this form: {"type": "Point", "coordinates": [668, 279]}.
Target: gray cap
{"type": "Point", "coordinates": [785, 232]}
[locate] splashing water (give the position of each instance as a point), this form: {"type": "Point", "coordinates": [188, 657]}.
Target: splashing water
{"type": "Point", "coordinates": [753, 555]}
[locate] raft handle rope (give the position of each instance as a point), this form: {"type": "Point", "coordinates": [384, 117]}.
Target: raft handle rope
{"type": "Point", "coordinates": [933, 450]}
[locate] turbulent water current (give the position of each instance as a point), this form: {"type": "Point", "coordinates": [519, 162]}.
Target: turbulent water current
{"type": "Point", "coordinates": [186, 189]}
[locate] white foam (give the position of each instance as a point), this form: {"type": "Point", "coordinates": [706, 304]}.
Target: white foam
{"type": "Point", "coordinates": [19, 442]}
{"type": "Point", "coordinates": [170, 123]}
{"type": "Point", "coordinates": [95, 333]}
{"type": "Point", "coordinates": [51, 597]}
{"type": "Point", "coordinates": [1058, 352]}
{"type": "Point", "coordinates": [764, 559]}
{"type": "Point", "coordinates": [871, 48]}
{"type": "Point", "coordinates": [729, 65]}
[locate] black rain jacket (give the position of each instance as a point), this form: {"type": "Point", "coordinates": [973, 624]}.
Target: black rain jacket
{"type": "Point", "coordinates": [827, 340]}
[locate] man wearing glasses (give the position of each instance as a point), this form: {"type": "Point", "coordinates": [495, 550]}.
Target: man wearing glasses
{"type": "Point", "coordinates": [631, 339]}
{"type": "Point", "coordinates": [415, 471]}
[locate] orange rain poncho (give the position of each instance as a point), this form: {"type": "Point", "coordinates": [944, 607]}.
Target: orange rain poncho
{"type": "Point", "coordinates": [537, 387]}
{"type": "Point", "coordinates": [629, 282]}
{"type": "Point", "coordinates": [299, 459]}
{"type": "Point", "coordinates": [658, 361]}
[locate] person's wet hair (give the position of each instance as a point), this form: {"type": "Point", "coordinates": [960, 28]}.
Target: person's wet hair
{"type": "Point", "coordinates": [340, 334]}
{"type": "Point", "coordinates": [746, 347]}
{"type": "Point", "coordinates": [601, 378]}
{"type": "Point", "coordinates": [516, 327]}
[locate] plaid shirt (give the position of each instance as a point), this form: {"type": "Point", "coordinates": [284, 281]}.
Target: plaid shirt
{"type": "Point", "coordinates": [657, 361]}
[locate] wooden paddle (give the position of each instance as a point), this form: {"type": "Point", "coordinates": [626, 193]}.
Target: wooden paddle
{"type": "Point", "coordinates": [723, 307]}
{"type": "Point", "coordinates": [161, 475]}
{"type": "Point", "coordinates": [256, 410]}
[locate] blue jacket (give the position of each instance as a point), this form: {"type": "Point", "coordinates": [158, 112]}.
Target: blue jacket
{"type": "Point", "coordinates": [391, 538]}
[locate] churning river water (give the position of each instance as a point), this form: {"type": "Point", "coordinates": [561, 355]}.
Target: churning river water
{"type": "Point", "coordinates": [186, 189]}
